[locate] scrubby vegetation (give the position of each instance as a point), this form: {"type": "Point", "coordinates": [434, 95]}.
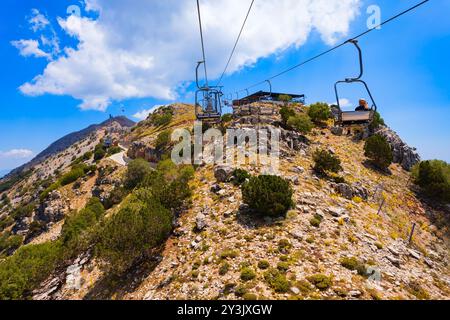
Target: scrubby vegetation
{"type": "Point", "coordinates": [326, 162]}
{"type": "Point", "coordinates": [141, 224]}
{"type": "Point", "coordinates": [286, 113]}
{"type": "Point", "coordinates": [240, 176]}
{"type": "Point", "coordinates": [319, 112]}
{"type": "Point", "coordinates": [352, 263]}
{"type": "Point", "coordinates": [26, 269]}
{"type": "Point", "coordinates": [137, 170]}
{"type": "Point", "coordinates": [301, 123]}
{"type": "Point", "coordinates": [378, 150]}
{"type": "Point", "coordinates": [277, 280]}
{"type": "Point", "coordinates": [268, 195]}
{"type": "Point", "coordinates": [144, 220]}
{"type": "Point", "coordinates": [434, 178]}
{"type": "Point", "coordinates": [161, 117]}
{"type": "Point", "coordinates": [321, 281]}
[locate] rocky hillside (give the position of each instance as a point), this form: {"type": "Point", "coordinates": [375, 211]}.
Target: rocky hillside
{"type": "Point", "coordinates": [346, 237]}
{"type": "Point", "coordinates": [71, 139]}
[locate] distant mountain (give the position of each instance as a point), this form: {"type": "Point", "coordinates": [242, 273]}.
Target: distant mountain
{"type": "Point", "coordinates": [70, 139]}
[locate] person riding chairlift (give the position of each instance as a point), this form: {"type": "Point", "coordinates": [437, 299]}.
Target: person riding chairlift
{"type": "Point", "coordinates": [363, 105]}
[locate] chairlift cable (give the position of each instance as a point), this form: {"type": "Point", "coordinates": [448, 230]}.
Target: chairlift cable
{"type": "Point", "coordinates": [202, 41]}
{"type": "Point", "coordinates": [340, 45]}
{"type": "Point", "coordinates": [236, 43]}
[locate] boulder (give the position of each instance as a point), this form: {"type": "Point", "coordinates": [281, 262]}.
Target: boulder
{"type": "Point", "coordinates": [223, 173]}
{"type": "Point", "coordinates": [200, 222]}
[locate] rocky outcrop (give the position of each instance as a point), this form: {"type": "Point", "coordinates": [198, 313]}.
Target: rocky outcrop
{"type": "Point", "coordinates": [350, 191]}
{"type": "Point", "coordinates": [404, 155]}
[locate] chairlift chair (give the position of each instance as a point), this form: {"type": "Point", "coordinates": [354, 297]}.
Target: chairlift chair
{"type": "Point", "coordinates": [348, 118]}
{"type": "Point", "coordinates": [208, 100]}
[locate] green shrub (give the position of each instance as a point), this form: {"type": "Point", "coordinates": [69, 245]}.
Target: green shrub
{"type": "Point", "coordinates": [136, 172]}
{"type": "Point", "coordinates": [23, 211]}
{"type": "Point", "coordinates": [316, 221]}
{"type": "Point", "coordinates": [26, 269]}
{"type": "Point", "coordinates": [9, 243]}
{"type": "Point", "coordinates": [115, 197]}
{"type": "Point", "coordinates": [286, 113]}
{"type": "Point", "coordinates": [99, 152]}
{"type": "Point", "coordinates": [247, 274]}
{"type": "Point", "coordinates": [162, 117]}
{"type": "Point", "coordinates": [277, 280]}
{"type": "Point", "coordinates": [72, 176]}
{"type": "Point", "coordinates": [227, 117]}
{"type": "Point", "coordinates": [240, 176]}
{"type": "Point", "coordinates": [87, 156]}
{"type": "Point", "coordinates": [264, 264]}
{"type": "Point", "coordinates": [377, 121]}
{"type": "Point", "coordinates": [325, 161]}
{"type": "Point", "coordinates": [301, 123]}
{"type": "Point", "coordinates": [319, 112]}
{"type": "Point", "coordinates": [224, 268]}
{"type": "Point", "coordinates": [283, 266]}
{"type": "Point", "coordinates": [354, 264]}
{"type": "Point", "coordinates": [170, 185]}
{"type": "Point", "coordinates": [379, 151]}
{"type": "Point", "coordinates": [285, 98]}
{"type": "Point", "coordinates": [250, 297]}
{"type": "Point", "coordinates": [76, 225]}
{"type": "Point", "coordinates": [114, 150]}
{"type": "Point", "coordinates": [268, 195]}
{"type": "Point", "coordinates": [320, 281]}
{"type": "Point", "coordinates": [141, 224]}
{"type": "Point", "coordinates": [434, 178]}
{"type": "Point", "coordinates": [163, 140]}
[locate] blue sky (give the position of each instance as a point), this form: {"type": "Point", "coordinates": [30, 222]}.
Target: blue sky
{"type": "Point", "coordinates": [407, 68]}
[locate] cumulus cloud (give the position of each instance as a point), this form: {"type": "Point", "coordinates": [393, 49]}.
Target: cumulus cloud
{"type": "Point", "coordinates": [30, 48]}
{"type": "Point", "coordinates": [16, 154]}
{"type": "Point", "coordinates": [143, 114]}
{"type": "Point", "coordinates": [149, 48]}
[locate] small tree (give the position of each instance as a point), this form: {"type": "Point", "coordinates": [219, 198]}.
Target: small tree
{"type": "Point", "coordinates": [319, 112]}
{"type": "Point", "coordinates": [377, 121]}
{"type": "Point", "coordinates": [268, 195]}
{"type": "Point", "coordinates": [434, 178]}
{"type": "Point", "coordinates": [163, 140]}
{"type": "Point", "coordinates": [301, 123]}
{"type": "Point", "coordinates": [286, 113]}
{"type": "Point", "coordinates": [136, 172]}
{"type": "Point", "coordinates": [326, 162]}
{"type": "Point", "coordinates": [285, 98]}
{"type": "Point", "coordinates": [379, 151]}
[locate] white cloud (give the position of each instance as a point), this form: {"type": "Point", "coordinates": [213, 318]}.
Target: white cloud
{"type": "Point", "coordinates": [344, 102]}
{"type": "Point", "coordinates": [16, 154]}
{"type": "Point", "coordinates": [30, 48]}
{"type": "Point", "coordinates": [37, 20]}
{"type": "Point", "coordinates": [142, 115]}
{"type": "Point", "coordinates": [149, 48]}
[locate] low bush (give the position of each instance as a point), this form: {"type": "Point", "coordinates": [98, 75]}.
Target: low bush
{"type": "Point", "coordinates": [277, 280]}
{"type": "Point", "coordinates": [136, 172]}
{"type": "Point", "coordinates": [301, 123]}
{"type": "Point", "coordinates": [263, 265]}
{"type": "Point", "coordinates": [379, 151]}
{"type": "Point", "coordinates": [325, 162]}
{"type": "Point", "coordinates": [142, 224]}
{"type": "Point", "coordinates": [320, 281]}
{"type": "Point", "coordinates": [77, 225]}
{"type": "Point", "coordinates": [9, 243]}
{"type": "Point", "coordinates": [319, 112]}
{"type": "Point", "coordinates": [240, 176]}
{"type": "Point", "coordinates": [434, 178]}
{"type": "Point", "coordinates": [351, 263]}
{"type": "Point", "coordinates": [286, 113]}
{"type": "Point", "coordinates": [268, 195]}
{"type": "Point", "coordinates": [26, 269]}
{"type": "Point", "coordinates": [247, 274]}
{"type": "Point", "coordinates": [162, 117]}
{"type": "Point", "coordinates": [227, 117]}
